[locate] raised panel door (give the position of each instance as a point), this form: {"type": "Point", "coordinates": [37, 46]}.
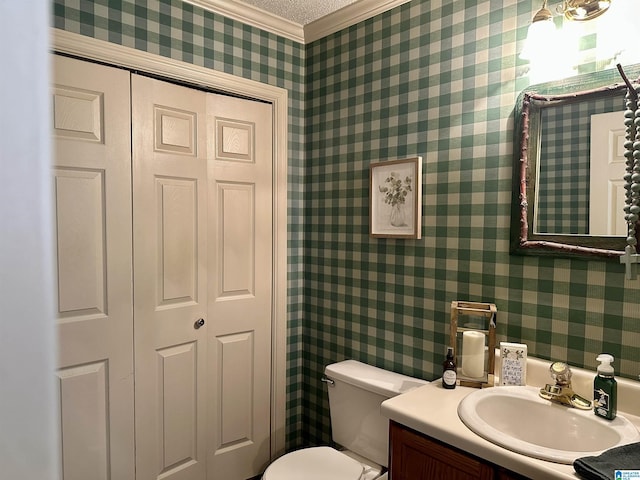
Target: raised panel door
{"type": "Point", "coordinates": [170, 279]}
{"type": "Point", "coordinates": [240, 286]}
{"type": "Point", "coordinates": [607, 169]}
{"type": "Point", "coordinates": [92, 200]}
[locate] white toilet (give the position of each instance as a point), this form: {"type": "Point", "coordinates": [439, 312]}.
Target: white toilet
{"type": "Point", "coordinates": [356, 391]}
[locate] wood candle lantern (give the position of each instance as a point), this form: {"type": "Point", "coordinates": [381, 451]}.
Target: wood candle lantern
{"type": "Point", "coordinates": [473, 339]}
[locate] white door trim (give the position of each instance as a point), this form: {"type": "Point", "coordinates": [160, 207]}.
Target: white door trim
{"type": "Point", "coordinates": [92, 49]}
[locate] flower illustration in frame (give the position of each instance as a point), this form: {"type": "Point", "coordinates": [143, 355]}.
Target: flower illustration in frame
{"type": "Point", "coordinates": [395, 198]}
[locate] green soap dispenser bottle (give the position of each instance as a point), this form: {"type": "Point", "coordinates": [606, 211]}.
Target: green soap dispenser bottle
{"type": "Point", "coordinates": [605, 389]}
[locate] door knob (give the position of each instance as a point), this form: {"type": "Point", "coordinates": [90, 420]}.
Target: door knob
{"type": "Point", "coordinates": [199, 323]}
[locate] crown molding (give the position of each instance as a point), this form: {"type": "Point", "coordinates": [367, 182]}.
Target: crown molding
{"type": "Point", "coordinates": [254, 16]}
{"type": "Point", "coordinates": [347, 16]}
{"type": "Point", "coordinates": [334, 22]}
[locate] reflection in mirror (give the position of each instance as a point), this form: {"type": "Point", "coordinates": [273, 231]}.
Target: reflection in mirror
{"type": "Point", "coordinates": [571, 194]}
{"type": "Point", "coordinates": [568, 174]}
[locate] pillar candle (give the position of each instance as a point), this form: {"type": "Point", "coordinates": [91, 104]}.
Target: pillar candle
{"type": "Point", "coordinates": [473, 354]}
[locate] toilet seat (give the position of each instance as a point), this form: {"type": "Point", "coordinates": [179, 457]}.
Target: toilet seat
{"type": "Point", "coordinates": [315, 463]}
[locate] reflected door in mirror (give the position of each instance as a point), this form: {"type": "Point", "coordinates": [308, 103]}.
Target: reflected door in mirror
{"type": "Point", "coordinates": [606, 199]}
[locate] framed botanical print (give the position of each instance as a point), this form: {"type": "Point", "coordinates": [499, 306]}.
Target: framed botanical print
{"type": "Point", "coordinates": [395, 198]}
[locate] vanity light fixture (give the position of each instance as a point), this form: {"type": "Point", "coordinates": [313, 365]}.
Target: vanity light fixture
{"type": "Point", "coordinates": [550, 52]}
{"type": "Point", "coordinates": [541, 35]}
{"type": "Point", "coordinates": [582, 10]}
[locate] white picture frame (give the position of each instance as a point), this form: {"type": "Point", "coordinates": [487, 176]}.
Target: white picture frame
{"type": "Point", "coordinates": [395, 198]}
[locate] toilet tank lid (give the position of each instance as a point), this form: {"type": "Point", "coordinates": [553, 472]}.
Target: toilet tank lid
{"type": "Point", "coordinates": [374, 379]}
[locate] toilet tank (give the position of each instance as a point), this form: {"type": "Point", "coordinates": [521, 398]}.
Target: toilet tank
{"type": "Point", "coordinates": [354, 402]}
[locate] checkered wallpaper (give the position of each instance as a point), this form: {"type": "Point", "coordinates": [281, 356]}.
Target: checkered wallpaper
{"type": "Point", "coordinates": [436, 78]}
{"type": "Point", "coordinates": [564, 171]}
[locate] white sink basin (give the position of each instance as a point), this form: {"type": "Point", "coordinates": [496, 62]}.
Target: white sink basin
{"type": "Point", "coordinates": [516, 418]}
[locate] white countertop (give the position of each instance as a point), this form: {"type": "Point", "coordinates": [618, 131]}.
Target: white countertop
{"type": "Point", "coordinates": [433, 410]}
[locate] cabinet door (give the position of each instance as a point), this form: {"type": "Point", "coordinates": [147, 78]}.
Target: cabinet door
{"type": "Point", "coordinates": [503, 474]}
{"type": "Point", "coordinates": [416, 457]}
{"type": "Point", "coordinates": [92, 185]}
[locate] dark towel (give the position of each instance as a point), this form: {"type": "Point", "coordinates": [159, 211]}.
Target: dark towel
{"type": "Point", "coordinates": [604, 465]}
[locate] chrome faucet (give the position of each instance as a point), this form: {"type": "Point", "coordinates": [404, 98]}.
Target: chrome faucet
{"type": "Point", "coordinates": [561, 391]}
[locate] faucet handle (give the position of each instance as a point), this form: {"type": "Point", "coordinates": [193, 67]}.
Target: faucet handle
{"type": "Point", "coordinates": [561, 373]}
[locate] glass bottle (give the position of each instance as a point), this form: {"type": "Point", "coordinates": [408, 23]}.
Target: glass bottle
{"type": "Point", "coordinates": [449, 376]}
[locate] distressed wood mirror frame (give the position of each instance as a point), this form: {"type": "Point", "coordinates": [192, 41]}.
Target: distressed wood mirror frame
{"type": "Point", "coordinates": [524, 240]}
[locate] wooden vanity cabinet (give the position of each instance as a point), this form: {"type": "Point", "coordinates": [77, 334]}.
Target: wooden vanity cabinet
{"type": "Point", "coordinates": [414, 456]}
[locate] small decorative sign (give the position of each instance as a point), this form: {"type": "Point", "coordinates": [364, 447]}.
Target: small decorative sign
{"type": "Point", "coordinates": [514, 363]}
{"type": "Point", "coordinates": [395, 199]}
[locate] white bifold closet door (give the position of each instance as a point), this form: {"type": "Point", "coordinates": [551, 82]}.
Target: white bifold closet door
{"type": "Point", "coordinates": [163, 209]}
{"type": "Point", "coordinates": [202, 201]}
{"type": "Point", "coordinates": [92, 187]}
{"type": "Point", "coordinates": [240, 286]}
{"type": "Point", "coordinates": [170, 284]}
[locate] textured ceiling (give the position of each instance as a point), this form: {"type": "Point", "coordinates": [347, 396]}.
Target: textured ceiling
{"type": "Point", "coordinates": [300, 11]}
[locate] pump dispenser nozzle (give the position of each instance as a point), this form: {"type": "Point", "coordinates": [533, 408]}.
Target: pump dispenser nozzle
{"type": "Point", "coordinates": [605, 367]}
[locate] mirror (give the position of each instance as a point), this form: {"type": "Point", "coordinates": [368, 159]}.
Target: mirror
{"type": "Point", "coordinates": [558, 208]}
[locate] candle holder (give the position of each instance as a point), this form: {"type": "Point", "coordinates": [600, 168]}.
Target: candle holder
{"type": "Point", "coordinates": [473, 339]}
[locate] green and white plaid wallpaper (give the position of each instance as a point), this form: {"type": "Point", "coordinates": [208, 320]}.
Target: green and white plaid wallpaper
{"type": "Point", "coordinates": [564, 175]}
{"type": "Point", "coordinates": [436, 78]}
